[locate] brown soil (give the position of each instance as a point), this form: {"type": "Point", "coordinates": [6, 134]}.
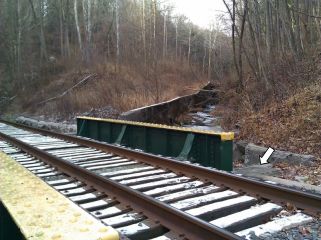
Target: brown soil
{"type": "Point", "coordinates": [293, 124]}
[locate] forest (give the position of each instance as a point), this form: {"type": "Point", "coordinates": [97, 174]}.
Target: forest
{"type": "Point", "coordinates": [140, 42]}
{"type": "Point", "coordinates": [65, 57]}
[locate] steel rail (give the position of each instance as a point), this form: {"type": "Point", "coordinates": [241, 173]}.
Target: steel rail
{"type": "Point", "coordinates": [186, 225]}
{"type": "Point", "coordinates": [309, 202]}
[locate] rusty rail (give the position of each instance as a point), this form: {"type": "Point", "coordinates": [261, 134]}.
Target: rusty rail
{"type": "Point", "coordinates": [186, 225]}
{"type": "Point", "coordinates": [309, 202]}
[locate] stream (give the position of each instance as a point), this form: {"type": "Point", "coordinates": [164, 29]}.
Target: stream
{"type": "Point", "coordinates": [204, 120]}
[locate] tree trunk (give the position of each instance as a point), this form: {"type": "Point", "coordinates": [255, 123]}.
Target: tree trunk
{"type": "Point", "coordinates": [89, 30]}
{"type": "Point", "coordinates": [61, 28]}
{"type": "Point", "coordinates": [209, 69]}
{"type": "Point", "coordinates": [44, 54]}
{"type": "Point", "coordinates": [43, 48]}
{"type": "Point", "coordinates": [86, 5]}
{"type": "Point", "coordinates": [164, 36]}
{"type": "Point", "coordinates": [19, 41]}
{"type": "Point", "coordinates": [189, 45]}
{"type": "Point", "coordinates": [144, 33]}
{"type": "Point", "coordinates": [204, 58]}
{"type": "Point", "coordinates": [77, 27]}
{"type": "Point", "coordinates": [155, 51]}
{"type": "Point", "coordinates": [268, 29]}
{"type": "Point", "coordinates": [176, 40]}
{"type": "Point", "coordinates": [117, 32]}
{"type": "Point", "coordinates": [67, 42]}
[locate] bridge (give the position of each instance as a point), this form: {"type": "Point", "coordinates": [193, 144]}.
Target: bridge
{"type": "Point", "coordinates": [129, 180]}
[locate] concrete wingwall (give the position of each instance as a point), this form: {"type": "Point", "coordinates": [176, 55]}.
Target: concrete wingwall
{"type": "Point", "coordinates": [167, 112]}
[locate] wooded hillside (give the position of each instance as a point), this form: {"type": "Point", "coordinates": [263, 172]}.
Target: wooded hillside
{"type": "Point", "coordinates": [277, 42]}
{"type": "Point", "coordinates": [137, 52]}
{"type": "Point", "coordinates": [42, 39]}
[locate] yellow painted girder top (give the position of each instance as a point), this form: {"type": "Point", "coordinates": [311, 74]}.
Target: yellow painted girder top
{"type": "Point", "coordinates": [43, 213]}
{"type": "Point", "coordinates": [225, 136]}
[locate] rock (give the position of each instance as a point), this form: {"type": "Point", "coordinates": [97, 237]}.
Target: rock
{"type": "Point", "coordinates": [302, 179]}
{"type": "Point", "coordinates": [42, 125]}
{"type": "Point", "coordinates": [237, 155]}
{"type": "Point", "coordinates": [253, 153]}
{"type": "Point", "coordinates": [258, 170]}
{"type": "Point", "coordinates": [241, 145]}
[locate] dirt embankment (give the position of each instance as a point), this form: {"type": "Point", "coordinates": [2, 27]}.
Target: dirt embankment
{"type": "Point", "coordinates": [293, 124]}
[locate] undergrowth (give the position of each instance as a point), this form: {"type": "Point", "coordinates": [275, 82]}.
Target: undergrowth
{"type": "Point", "coordinates": [292, 124]}
{"type": "Point", "coordinates": [287, 116]}
{"type": "Point", "coordinates": [122, 90]}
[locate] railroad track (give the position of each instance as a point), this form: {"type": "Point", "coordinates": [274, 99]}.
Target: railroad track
{"type": "Point", "coordinates": [151, 197]}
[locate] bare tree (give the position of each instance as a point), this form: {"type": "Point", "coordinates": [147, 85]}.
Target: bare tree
{"type": "Point", "coordinates": [43, 47]}
{"type": "Point", "coordinates": [189, 44]}
{"type": "Point", "coordinates": [143, 24]}
{"type": "Point", "coordinates": [165, 34]}
{"type": "Point", "coordinates": [86, 5]}
{"type": "Point", "coordinates": [77, 26]}
{"type": "Point", "coordinates": [117, 31]}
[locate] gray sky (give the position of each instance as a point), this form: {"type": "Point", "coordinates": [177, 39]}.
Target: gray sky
{"type": "Point", "coordinates": [200, 12]}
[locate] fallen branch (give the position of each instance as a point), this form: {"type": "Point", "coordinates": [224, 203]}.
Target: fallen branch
{"type": "Point", "coordinates": [7, 99]}
{"type": "Point", "coordinates": [69, 89]}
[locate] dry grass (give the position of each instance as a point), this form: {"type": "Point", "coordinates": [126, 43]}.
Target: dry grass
{"type": "Point", "coordinates": [287, 117]}
{"type": "Point", "coordinates": [124, 90]}
{"type": "Point", "coordinates": [292, 124]}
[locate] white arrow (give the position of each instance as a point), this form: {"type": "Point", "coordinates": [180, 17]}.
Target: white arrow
{"type": "Point", "coordinates": [266, 156]}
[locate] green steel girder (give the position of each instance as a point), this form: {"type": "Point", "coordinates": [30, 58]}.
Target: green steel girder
{"type": "Point", "coordinates": [207, 148]}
